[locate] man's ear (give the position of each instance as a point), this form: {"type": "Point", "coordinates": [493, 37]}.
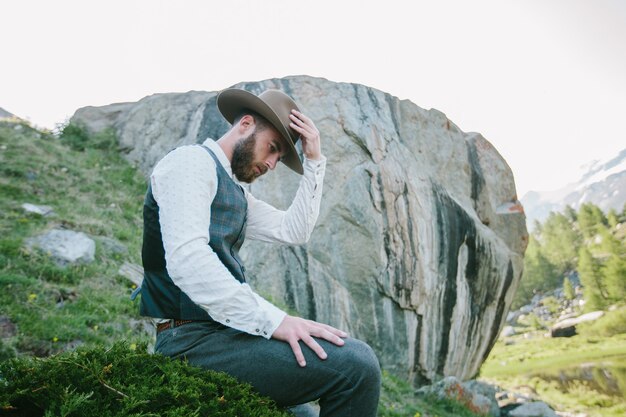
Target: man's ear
{"type": "Point", "coordinates": [246, 123]}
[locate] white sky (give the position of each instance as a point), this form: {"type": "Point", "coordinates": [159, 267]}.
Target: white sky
{"type": "Point", "coordinates": [543, 80]}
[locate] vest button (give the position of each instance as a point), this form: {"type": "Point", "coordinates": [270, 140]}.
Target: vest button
{"type": "Point", "coordinates": [257, 330]}
{"type": "Point", "coordinates": [227, 320]}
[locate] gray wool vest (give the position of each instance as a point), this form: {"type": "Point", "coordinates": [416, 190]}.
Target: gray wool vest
{"type": "Point", "coordinates": [160, 297]}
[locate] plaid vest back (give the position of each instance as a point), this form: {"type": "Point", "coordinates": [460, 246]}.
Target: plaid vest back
{"type": "Point", "coordinates": [160, 297]}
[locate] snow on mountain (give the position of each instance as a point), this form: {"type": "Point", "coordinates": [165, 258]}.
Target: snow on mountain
{"type": "Point", "coordinates": [603, 183]}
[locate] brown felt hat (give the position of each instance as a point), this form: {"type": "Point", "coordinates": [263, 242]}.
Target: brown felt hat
{"type": "Point", "coordinates": [275, 106]}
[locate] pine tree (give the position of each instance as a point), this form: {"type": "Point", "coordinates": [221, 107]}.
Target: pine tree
{"type": "Point", "coordinates": [560, 242]}
{"type": "Point", "coordinates": [591, 279]}
{"type": "Point", "coordinates": [590, 218]}
{"type": "Point", "coordinates": [614, 272]}
{"type": "Point", "coordinates": [539, 274]}
{"type": "Point", "coordinates": [571, 214]}
{"type": "Point", "coordinates": [568, 289]}
{"type": "Point", "coordinates": [612, 218]}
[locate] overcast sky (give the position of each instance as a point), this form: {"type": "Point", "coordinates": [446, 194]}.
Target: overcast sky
{"type": "Point", "coordinates": [543, 80]}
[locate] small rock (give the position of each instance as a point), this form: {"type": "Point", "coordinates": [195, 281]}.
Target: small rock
{"type": "Point", "coordinates": [567, 327]}
{"type": "Point", "coordinates": [73, 344]}
{"type": "Point", "coordinates": [510, 316]}
{"type": "Point", "coordinates": [144, 325]}
{"type": "Point", "coordinates": [478, 396]}
{"type": "Point", "coordinates": [18, 127]}
{"type": "Point", "coordinates": [112, 245]}
{"type": "Point", "coordinates": [3, 147]}
{"type": "Point", "coordinates": [526, 309]}
{"type": "Point", "coordinates": [65, 246]}
{"type": "Point", "coordinates": [7, 327]}
{"type": "Point", "coordinates": [507, 331]}
{"type": "Point", "coordinates": [133, 272]}
{"type": "Point", "coordinates": [484, 397]}
{"type": "Point", "coordinates": [41, 210]}
{"type": "Point", "coordinates": [534, 409]}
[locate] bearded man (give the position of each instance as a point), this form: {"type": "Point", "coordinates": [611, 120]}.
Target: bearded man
{"type": "Point", "coordinates": [196, 217]}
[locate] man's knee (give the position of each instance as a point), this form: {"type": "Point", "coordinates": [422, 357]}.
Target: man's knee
{"type": "Point", "coordinates": [362, 361]}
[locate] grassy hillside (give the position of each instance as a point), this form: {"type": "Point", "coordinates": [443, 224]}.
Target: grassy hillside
{"type": "Point", "coordinates": [94, 191]}
{"type": "Point", "coordinates": [55, 310]}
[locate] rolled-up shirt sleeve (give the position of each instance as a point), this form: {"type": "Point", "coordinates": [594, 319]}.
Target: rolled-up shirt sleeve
{"type": "Point", "coordinates": [294, 225]}
{"type": "Point", "coordinates": [184, 184]}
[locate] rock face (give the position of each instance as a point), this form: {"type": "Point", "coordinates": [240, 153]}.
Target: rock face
{"type": "Point", "coordinates": [409, 253]}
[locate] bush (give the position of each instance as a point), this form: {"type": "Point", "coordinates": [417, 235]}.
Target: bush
{"type": "Point", "coordinates": [123, 380]}
{"type": "Point", "coordinates": [611, 324]}
{"type": "Point", "coordinates": [78, 138]}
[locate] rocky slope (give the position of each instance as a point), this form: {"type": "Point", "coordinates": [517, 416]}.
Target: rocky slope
{"type": "Point", "coordinates": [419, 244]}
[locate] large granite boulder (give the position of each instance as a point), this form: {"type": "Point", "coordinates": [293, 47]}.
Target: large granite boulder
{"type": "Point", "coordinates": [420, 240]}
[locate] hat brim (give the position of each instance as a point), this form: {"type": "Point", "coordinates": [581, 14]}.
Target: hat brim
{"type": "Point", "coordinates": [233, 101]}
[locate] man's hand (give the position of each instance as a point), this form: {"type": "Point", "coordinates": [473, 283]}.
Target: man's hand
{"type": "Point", "coordinates": [309, 134]}
{"type": "Point", "coordinates": [293, 329]}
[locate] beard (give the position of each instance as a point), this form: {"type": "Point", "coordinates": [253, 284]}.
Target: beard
{"type": "Point", "coordinates": [243, 164]}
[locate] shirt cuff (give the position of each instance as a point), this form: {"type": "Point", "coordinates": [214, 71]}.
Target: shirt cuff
{"type": "Point", "coordinates": [274, 317]}
{"type": "Point", "coordinates": [315, 167]}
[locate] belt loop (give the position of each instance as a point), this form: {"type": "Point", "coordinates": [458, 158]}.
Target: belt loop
{"type": "Point", "coordinates": [172, 323]}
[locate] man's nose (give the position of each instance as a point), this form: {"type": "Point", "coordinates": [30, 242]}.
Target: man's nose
{"type": "Point", "coordinates": [272, 161]}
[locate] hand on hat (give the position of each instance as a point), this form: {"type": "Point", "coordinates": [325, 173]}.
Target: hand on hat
{"type": "Point", "coordinates": [309, 135]}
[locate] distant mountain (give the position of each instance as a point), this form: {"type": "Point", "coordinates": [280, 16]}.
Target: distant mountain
{"type": "Point", "coordinates": [5, 114]}
{"type": "Point", "coordinates": [603, 184]}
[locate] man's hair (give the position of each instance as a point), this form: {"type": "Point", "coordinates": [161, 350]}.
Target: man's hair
{"type": "Point", "coordinates": [261, 122]}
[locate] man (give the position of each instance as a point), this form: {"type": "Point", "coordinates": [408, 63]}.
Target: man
{"type": "Point", "coordinates": [195, 219]}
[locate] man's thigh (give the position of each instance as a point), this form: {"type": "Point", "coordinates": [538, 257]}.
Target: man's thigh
{"type": "Point", "coordinates": [269, 365]}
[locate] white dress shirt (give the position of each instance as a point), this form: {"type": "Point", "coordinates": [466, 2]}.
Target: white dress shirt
{"type": "Point", "coordinates": [184, 184]}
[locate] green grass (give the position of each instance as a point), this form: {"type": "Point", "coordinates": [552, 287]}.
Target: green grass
{"type": "Point", "coordinates": [94, 191]}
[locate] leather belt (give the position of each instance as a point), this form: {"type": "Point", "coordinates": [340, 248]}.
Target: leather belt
{"type": "Point", "coordinates": [166, 325]}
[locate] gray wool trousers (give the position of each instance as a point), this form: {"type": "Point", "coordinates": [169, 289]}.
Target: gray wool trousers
{"type": "Point", "coordinates": [347, 383]}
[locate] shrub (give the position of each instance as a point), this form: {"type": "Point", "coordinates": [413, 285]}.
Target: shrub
{"type": "Point", "coordinates": [123, 380]}
{"type": "Point", "coordinates": [78, 138]}
{"type": "Point", "coordinates": [613, 323]}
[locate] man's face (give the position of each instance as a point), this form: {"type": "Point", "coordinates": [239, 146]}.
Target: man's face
{"type": "Point", "coordinates": [257, 153]}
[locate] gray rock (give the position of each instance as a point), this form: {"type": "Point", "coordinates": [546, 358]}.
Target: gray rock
{"type": "Point", "coordinates": [485, 396]}
{"type": "Point", "coordinates": [533, 409]}
{"type": "Point", "coordinates": [478, 396]}
{"type": "Point", "coordinates": [567, 327]}
{"type": "Point", "coordinates": [41, 210]}
{"type": "Point", "coordinates": [143, 325]}
{"type": "Point", "coordinates": [7, 327]}
{"type": "Point", "coordinates": [112, 246]}
{"type": "Point", "coordinates": [410, 252]}
{"type": "Point", "coordinates": [507, 331]}
{"type": "Point", "coordinates": [133, 272]}
{"type": "Point", "coordinates": [65, 246]}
